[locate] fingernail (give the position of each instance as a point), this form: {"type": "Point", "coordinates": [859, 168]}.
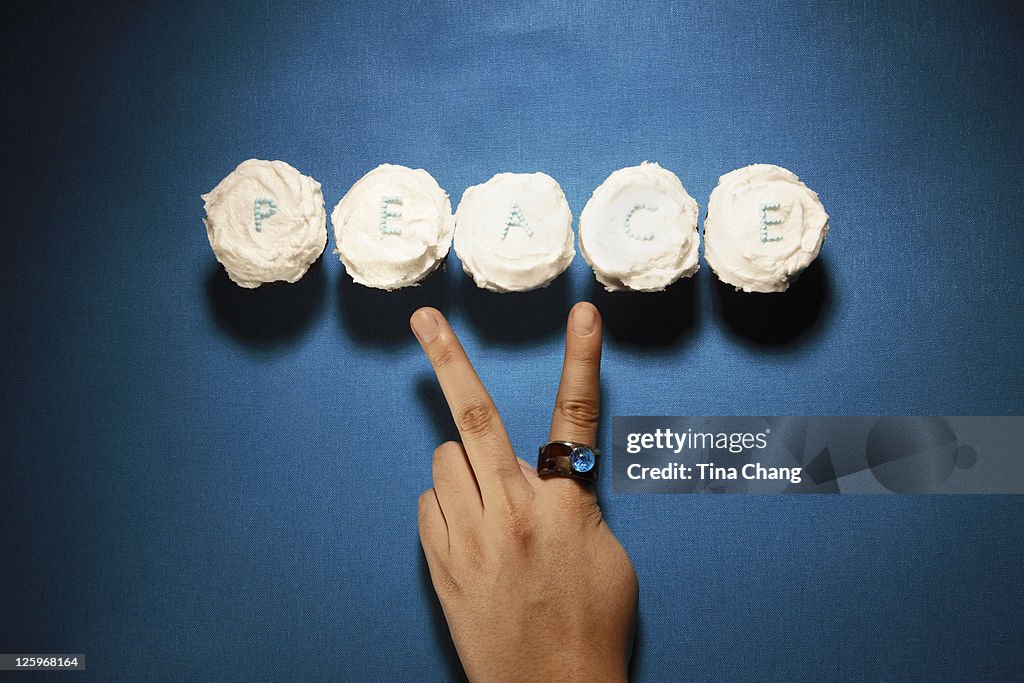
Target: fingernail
{"type": "Point", "coordinates": [584, 319]}
{"type": "Point", "coordinates": [424, 326]}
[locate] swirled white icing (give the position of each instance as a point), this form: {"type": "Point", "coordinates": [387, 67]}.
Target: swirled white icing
{"type": "Point", "coordinates": [514, 232]}
{"type": "Point", "coordinates": [639, 230]}
{"type": "Point", "coordinates": [266, 222]}
{"type": "Point", "coordinates": [763, 227]}
{"type": "Point", "coordinates": [393, 228]}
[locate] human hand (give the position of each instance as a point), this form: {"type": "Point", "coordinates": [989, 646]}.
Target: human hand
{"type": "Point", "coordinates": [533, 583]}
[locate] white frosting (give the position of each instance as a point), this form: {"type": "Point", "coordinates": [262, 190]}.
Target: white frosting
{"type": "Point", "coordinates": [755, 256]}
{"type": "Point", "coordinates": [286, 207]}
{"type": "Point", "coordinates": [393, 228]}
{"type": "Point", "coordinates": [639, 230]}
{"type": "Point", "coordinates": [514, 232]}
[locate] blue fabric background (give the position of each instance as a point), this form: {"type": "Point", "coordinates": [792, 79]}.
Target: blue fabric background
{"type": "Point", "coordinates": [199, 482]}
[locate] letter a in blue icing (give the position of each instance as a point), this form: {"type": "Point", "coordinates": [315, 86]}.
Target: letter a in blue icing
{"type": "Point", "coordinates": [765, 208]}
{"type": "Point", "coordinates": [387, 212]}
{"type": "Point", "coordinates": [516, 219]}
{"type": "Point", "coordinates": [629, 217]}
{"type": "Point", "coordinates": [263, 208]}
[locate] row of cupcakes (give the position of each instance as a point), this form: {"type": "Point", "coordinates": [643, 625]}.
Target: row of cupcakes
{"type": "Point", "coordinates": [267, 222]}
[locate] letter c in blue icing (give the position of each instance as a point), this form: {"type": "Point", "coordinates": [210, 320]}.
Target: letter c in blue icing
{"type": "Point", "coordinates": [629, 217]}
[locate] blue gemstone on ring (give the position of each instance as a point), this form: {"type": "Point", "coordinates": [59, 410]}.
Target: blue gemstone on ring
{"type": "Point", "coordinates": [582, 459]}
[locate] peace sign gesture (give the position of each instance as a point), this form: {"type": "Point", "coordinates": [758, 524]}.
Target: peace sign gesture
{"type": "Point", "coordinates": [533, 583]}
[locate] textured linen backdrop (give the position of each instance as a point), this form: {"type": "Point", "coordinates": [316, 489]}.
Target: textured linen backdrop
{"type": "Point", "coordinates": [199, 482]}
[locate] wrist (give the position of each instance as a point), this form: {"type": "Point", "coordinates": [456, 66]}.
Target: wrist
{"type": "Point", "coordinates": [586, 667]}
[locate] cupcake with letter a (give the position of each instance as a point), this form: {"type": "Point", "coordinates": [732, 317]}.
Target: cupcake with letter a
{"type": "Point", "coordinates": [763, 228]}
{"type": "Point", "coordinates": [514, 232]}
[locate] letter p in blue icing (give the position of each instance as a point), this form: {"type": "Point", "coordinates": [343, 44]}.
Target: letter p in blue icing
{"type": "Point", "coordinates": [263, 208]}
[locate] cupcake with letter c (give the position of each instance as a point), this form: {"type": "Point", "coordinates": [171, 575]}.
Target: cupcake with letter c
{"type": "Point", "coordinates": [639, 230]}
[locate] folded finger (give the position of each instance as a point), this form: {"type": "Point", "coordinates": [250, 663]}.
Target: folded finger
{"type": "Point", "coordinates": [432, 527]}
{"type": "Point", "coordinates": [456, 489]}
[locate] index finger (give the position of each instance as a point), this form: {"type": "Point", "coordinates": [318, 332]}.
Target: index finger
{"type": "Point", "coordinates": [476, 417]}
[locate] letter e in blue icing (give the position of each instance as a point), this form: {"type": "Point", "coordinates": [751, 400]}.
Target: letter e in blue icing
{"type": "Point", "coordinates": [387, 212]}
{"type": "Point", "coordinates": [765, 208]}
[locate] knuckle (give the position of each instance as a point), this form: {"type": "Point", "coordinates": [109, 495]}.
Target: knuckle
{"type": "Point", "coordinates": [445, 579]}
{"type": "Point", "coordinates": [577, 498]}
{"type": "Point", "coordinates": [442, 354]}
{"type": "Point", "coordinates": [579, 412]}
{"type": "Point", "coordinates": [445, 465]}
{"type": "Point", "coordinates": [424, 503]}
{"type": "Point", "coordinates": [476, 418]}
{"type": "Point", "coordinates": [520, 525]}
{"type": "Point", "coordinates": [472, 554]}
{"type": "Point", "coordinates": [445, 451]}
{"type": "Point", "coordinates": [515, 498]}
{"type": "Point", "coordinates": [584, 354]}
{"type": "Point", "coordinates": [514, 517]}
{"type": "Point", "coordinates": [445, 583]}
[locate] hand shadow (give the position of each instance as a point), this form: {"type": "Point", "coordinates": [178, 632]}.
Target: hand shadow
{"type": "Point", "coordinates": [380, 319]}
{"type": "Point", "coordinates": [428, 391]}
{"type": "Point", "coordinates": [270, 315]}
{"type": "Point", "coordinates": [777, 320]}
{"type": "Point", "coordinates": [636, 651]}
{"type": "Point", "coordinates": [516, 317]}
{"type": "Point", "coordinates": [442, 636]}
{"type": "Point", "coordinates": [648, 319]}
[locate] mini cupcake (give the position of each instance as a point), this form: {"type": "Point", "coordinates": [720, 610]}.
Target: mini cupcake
{"type": "Point", "coordinates": [639, 230]}
{"type": "Point", "coordinates": [393, 228]}
{"type": "Point", "coordinates": [514, 232]}
{"type": "Point", "coordinates": [266, 222]}
{"type": "Point", "coordinates": [763, 228]}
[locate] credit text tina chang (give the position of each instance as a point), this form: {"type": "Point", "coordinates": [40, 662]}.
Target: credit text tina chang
{"type": "Point", "coordinates": [709, 471]}
{"type": "Point", "coordinates": [705, 442]}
